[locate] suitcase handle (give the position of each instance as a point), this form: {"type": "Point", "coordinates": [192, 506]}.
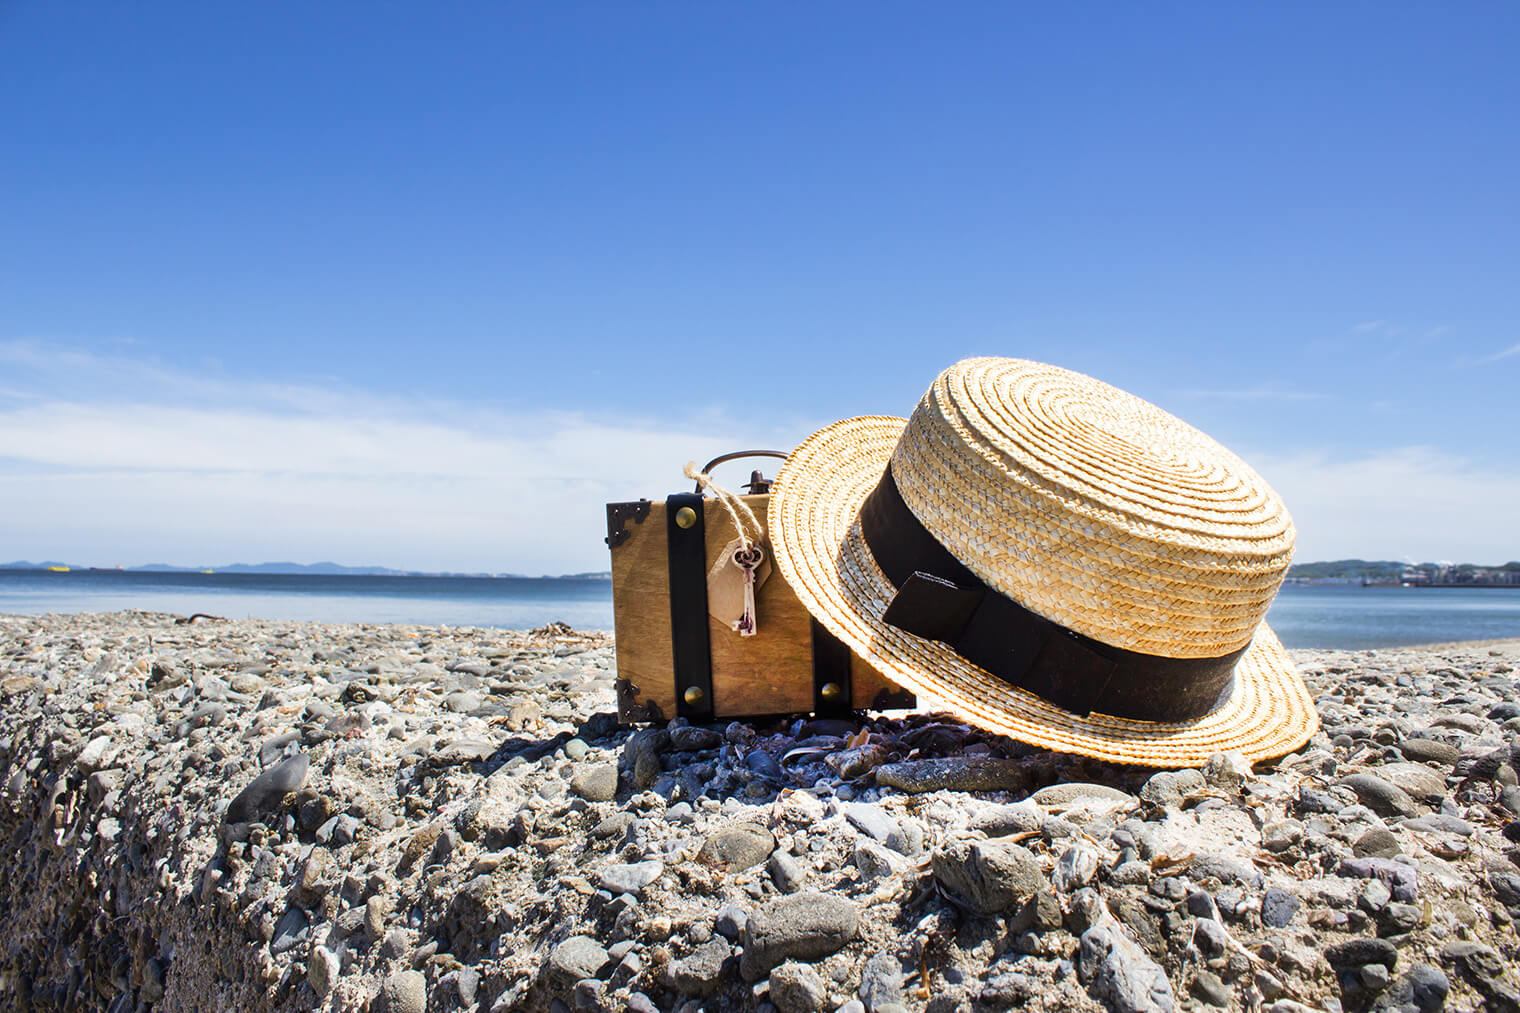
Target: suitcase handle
{"type": "Point", "coordinates": [755, 478]}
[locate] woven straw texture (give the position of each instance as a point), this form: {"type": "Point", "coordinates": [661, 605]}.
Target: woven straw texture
{"type": "Point", "coordinates": [1086, 505]}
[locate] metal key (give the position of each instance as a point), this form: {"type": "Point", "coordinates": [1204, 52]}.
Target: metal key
{"type": "Point", "coordinates": [749, 561]}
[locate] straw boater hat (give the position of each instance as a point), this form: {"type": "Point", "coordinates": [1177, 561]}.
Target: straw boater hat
{"type": "Point", "coordinates": [1054, 559]}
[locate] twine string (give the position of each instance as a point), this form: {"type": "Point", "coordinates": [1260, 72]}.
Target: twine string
{"type": "Point", "coordinates": [738, 511]}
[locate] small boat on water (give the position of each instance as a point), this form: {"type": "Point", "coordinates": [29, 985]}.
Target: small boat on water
{"type": "Point", "coordinates": [58, 569]}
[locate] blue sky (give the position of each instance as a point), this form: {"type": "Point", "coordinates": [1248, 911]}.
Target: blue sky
{"type": "Point", "coordinates": [424, 285]}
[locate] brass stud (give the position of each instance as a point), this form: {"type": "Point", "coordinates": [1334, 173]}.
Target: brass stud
{"type": "Point", "coordinates": [693, 694]}
{"type": "Point", "coordinates": [685, 518]}
{"type": "Point", "coordinates": [830, 691]}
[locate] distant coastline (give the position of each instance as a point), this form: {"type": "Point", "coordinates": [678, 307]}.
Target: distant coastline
{"type": "Point", "coordinates": [1362, 572]}
{"type": "Point", "coordinates": [1333, 616]}
{"type": "Point", "coordinates": [1394, 573]}
{"type": "Point", "coordinates": [323, 569]}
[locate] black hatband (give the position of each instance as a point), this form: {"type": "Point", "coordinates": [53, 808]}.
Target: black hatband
{"type": "Point", "coordinates": [940, 599]}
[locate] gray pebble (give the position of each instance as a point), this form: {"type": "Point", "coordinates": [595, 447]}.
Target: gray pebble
{"type": "Point", "coordinates": [1281, 835]}
{"type": "Point", "coordinates": [991, 876]}
{"type": "Point", "coordinates": [596, 783]}
{"type": "Point", "coordinates": [615, 825]}
{"type": "Point", "coordinates": [1374, 977]}
{"type": "Point", "coordinates": [1121, 975]}
{"type": "Point", "coordinates": [322, 968]}
{"type": "Point", "coordinates": [1207, 987]}
{"type": "Point", "coordinates": [786, 872]}
{"type": "Point", "coordinates": [797, 988]}
{"type": "Point", "coordinates": [1226, 870]}
{"type": "Point", "coordinates": [1416, 779]}
{"type": "Point", "coordinates": [395, 945]}
{"type": "Point", "coordinates": [806, 925]}
{"type": "Point", "coordinates": [1201, 905]}
{"type": "Point", "coordinates": [881, 981]}
{"type": "Point", "coordinates": [1166, 789]}
{"type": "Point", "coordinates": [1057, 795]}
{"type": "Point", "coordinates": [1376, 843]}
{"type": "Point", "coordinates": [1443, 823]}
{"type": "Point", "coordinates": [576, 958]}
{"type": "Point", "coordinates": [874, 861]}
{"type": "Point", "coordinates": [1374, 896]}
{"type": "Point", "coordinates": [1397, 918]}
{"type": "Point", "coordinates": [292, 929]}
{"type": "Point", "coordinates": [691, 738]}
{"type": "Point", "coordinates": [730, 921]}
{"type": "Point", "coordinates": [762, 763]}
{"type": "Point", "coordinates": [700, 972]}
{"type": "Point", "coordinates": [1402, 880]}
{"type": "Point", "coordinates": [265, 792]}
{"type": "Point", "coordinates": [737, 847]}
{"type": "Point", "coordinates": [466, 984]}
{"type": "Point", "coordinates": [275, 748]}
{"type": "Point", "coordinates": [877, 824]}
{"type": "Point", "coordinates": [1003, 820]}
{"type": "Point", "coordinates": [375, 910]}
{"type": "Point", "coordinates": [955, 773]}
{"type": "Point", "coordinates": [1380, 796]}
{"type": "Point", "coordinates": [1210, 937]}
{"type": "Point", "coordinates": [402, 992]}
{"type": "Point", "coordinates": [1075, 868]}
{"type": "Point", "coordinates": [631, 878]}
{"type": "Point", "coordinates": [1357, 952]}
{"type": "Point", "coordinates": [1423, 750]}
{"type": "Point", "coordinates": [1427, 987]}
{"type": "Point", "coordinates": [1278, 908]}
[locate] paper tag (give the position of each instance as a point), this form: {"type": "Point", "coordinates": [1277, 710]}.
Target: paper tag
{"type": "Point", "coordinates": [725, 584]}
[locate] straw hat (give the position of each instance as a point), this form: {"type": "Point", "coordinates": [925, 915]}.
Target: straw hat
{"type": "Point", "coordinates": [1054, 559]}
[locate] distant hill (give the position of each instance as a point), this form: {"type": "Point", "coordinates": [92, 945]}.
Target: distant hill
{"type": "Point", "coordinates": [1373, 570]}
{"type": "Point", "coordinates": [328, 568]}
{"type": "Point", "coordinates": [324, 569]}
{"type": "Point", "coordinates": [1390, 571]}
{"type": "Point", "coordinates": [1348, 568]}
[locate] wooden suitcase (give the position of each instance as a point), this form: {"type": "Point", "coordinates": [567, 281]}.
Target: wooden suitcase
{"type": "Point", "coordinates": [674, 658]}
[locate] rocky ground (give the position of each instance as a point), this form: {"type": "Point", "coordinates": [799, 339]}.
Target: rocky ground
{"type": "Point", "coordinates": [260, 815]}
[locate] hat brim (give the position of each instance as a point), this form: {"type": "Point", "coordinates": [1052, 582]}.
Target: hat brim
{"type": "Point", "coordinates": [816, 536]}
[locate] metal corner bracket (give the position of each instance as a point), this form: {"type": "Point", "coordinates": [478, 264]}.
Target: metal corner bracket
{"type": "Point", "coordinates": [618, 515]}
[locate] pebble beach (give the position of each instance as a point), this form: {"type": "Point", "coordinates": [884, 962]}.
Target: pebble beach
{"type": "Point", "coordinates": [255, 815]}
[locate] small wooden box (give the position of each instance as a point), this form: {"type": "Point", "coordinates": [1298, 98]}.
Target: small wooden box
{"type": "Point", "coordinates": [789, 666]}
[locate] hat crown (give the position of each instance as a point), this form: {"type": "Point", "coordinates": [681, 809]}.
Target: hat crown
{"type": "Point", "coordinates": [1094, 508]}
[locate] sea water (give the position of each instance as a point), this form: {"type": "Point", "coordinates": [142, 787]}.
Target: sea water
{"type": "Point", "coordinates": [506, 602]}
{"type": "Point", "coordinates": [1303, 616]}
{"type": "Point", "coordinates": [1354, 617]}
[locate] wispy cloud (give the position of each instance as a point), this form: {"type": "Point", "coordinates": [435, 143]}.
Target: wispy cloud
{"type": "Point", "coordinates": [1407, 502]}
{"type": "Point", "coordinates": [1385, 329]}
{"type": "Point", "coordinates": [1387, 339]}
{"type": "Point", "coordinates": [171, 466]}
{"type": "Point", "coordinates": [109, 460]}
{"type": "Point", "coordinates": [1470, 360]}
{"type": "Point", "coordinates": [1255, 394]}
